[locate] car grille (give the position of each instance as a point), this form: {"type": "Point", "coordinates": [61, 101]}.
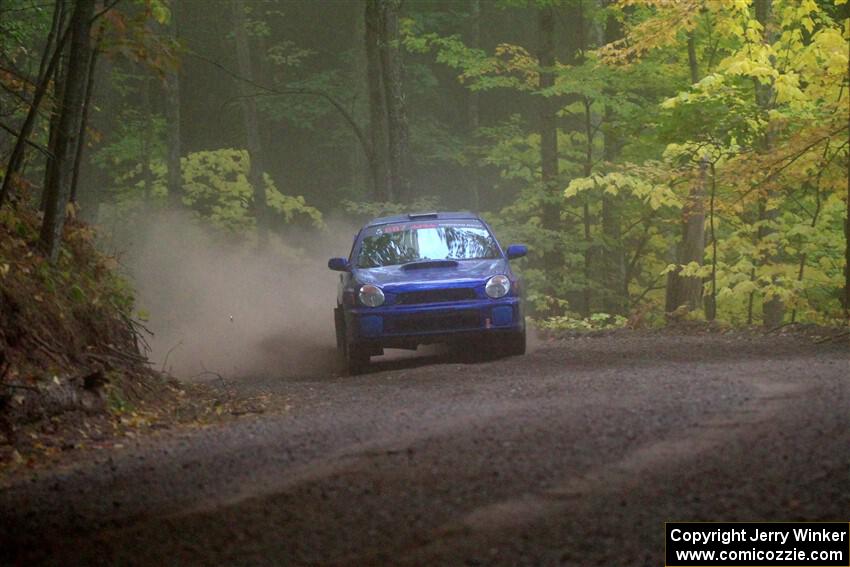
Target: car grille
{"type": "Point", "coordinates": [436, 296]}
{"type": "Point", "coordinates": [432, 322]}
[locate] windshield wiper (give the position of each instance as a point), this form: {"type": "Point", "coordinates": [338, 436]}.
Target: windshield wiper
{"type": "Point", "coordinates": [421, 264]}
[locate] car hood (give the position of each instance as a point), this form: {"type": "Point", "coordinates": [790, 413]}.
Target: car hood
{"type": "Point", "coordinates": [466, 271]}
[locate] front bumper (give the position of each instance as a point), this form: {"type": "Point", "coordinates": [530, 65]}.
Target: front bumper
{"type": "Point", "coordinates": [406, 326]}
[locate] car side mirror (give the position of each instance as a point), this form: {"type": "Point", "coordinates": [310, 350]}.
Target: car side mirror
{"type": "Point", "coordinates": [516, 251]}
{"type": "Point", "coordinates": [338, 264]}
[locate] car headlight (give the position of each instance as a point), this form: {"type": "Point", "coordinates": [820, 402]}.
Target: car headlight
{"type": "Point", "coordinates": [371, 295]}
{"type": "Point", "coordinates": [497, 286]}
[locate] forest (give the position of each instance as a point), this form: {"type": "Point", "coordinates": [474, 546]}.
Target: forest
{"type": "Point", "coordinates": [663, 159]}
{"type": "Point", "coordinates": [183, 381]}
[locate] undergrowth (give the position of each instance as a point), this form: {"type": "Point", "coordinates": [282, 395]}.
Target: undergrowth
{"type": "Point", "coordinates": [69, 345]}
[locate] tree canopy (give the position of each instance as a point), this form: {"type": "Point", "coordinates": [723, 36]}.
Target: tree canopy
{"type": "Point", "coordinates": [682, 158]}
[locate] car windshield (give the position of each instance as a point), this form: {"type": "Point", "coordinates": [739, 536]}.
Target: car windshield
{"type": "Point", "coordinates": [394, 244]}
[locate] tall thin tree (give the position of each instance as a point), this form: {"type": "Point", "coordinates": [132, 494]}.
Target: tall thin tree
{"type": "Point", "coordinates": [58, 192]}
{"type": "Point", "coordinates": [398, 131]}
{"type": "Point", "coordinates": [172, 116]}
{"type": "Point", "coordinates": [547, 110]}
{"type": "Point", "coordinates": [683, 290]}
{"type": "Point", "coordinates": [382, 188]}
{"type": "Point", "coordinates": [616, 294]}
{"type": "Point", "coordinates": [250, 120]}
{"type": "Point", "coordinates": [773, 309]}
{"type": "Point", "coordinates": [473, 109]}
{"type": "Point", "coordinates": [84, 118]}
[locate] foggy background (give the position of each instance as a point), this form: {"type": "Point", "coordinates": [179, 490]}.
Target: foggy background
{"type": "Point", "coordinates": [308, 148]}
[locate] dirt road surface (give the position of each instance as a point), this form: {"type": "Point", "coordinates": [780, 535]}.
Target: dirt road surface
{"type": "Point", "coordinates": [575, 454]}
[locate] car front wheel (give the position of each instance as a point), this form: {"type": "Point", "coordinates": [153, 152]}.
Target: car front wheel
{"type": "Point", "coordinates": [512, 344]}
{"type": "Point", "coordinates": [356, 358]}
{"type": "Point", "coordinates": [353, 357]}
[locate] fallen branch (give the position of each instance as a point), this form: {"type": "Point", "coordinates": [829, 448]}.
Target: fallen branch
{"type": "Point", "coordinates": [110, 359]}
{"type": "Point", "coordinates": [220, 377]}
{"type": "Point", "coordinates": [832, 337]}
{"type": "Point", "coordinates": [164, 362]}
{"type": "Point", "coordinates": [209, 372]}
{"type": "Point", "coordinates": [127, 355]}
{"type": "Point", "coordinates": [136, 328]}
{"type": "Point", "coordinates": [50, 350]}
{"type": "Point", "coordinates": [21, 387]}
{"type": "Point", "coordinates": [782, 326]}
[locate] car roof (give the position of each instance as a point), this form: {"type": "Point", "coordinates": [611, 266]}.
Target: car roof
{"type": "Point", "coordinates": [457, 215]}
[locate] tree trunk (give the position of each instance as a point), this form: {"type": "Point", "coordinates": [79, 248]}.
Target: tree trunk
{"type": "Point", "coordinates": [72, 107]}
{"type": "Point", "coordinates": [547, 109]}
{"type": "Point", "coordinates": [359, 167]}
{"type": "Point", "coordinates": [147, 139]}
{"type": "Point", "coordinates": [84, 119]}
{"type": "Point", "coordinates": [711, 300]}
{"type": "Point", "coordinates": [251, 122]}
{"type": "Point", "coordinates": [613, 258]}
{"type": "Point", "coordinates": [773, 309]}
{"type": "Point", "coordinates": [58, 80]}
{"type": "Point", "coordinates": [692, 58]}
{"type": "Point", "coordinates": [56, 24]}
{"type": "Point", "coordinates": [847, 249]}
{"type": "Point", "coordinates": [58, 94]}
{"type": "Point", "coordinates": [172, 117]}
{"type": "Point", "coordinates": [382, 190]}
{"type": "Point", "coordinates": [398, 134]}
{"type": "Point", "coordinates": [586, 308]}
{"type": "Point", "coordinates": [473, 110]}
{"type": "Point", "coordinates": [688, 290]}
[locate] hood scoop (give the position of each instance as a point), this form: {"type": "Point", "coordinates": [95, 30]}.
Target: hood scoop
{"type": "Point", "coordinates": [425, 264]}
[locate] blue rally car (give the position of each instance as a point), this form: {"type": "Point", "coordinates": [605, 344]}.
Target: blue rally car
{"type": "Point", "coordinates": [427, 278]}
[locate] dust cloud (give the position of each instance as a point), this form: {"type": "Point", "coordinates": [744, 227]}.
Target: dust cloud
{"type": "Point", "coordinates": [222, 308]}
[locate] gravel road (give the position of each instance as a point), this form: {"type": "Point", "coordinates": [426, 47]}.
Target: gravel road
{"type": "Point", "coordinates": [575, 454]}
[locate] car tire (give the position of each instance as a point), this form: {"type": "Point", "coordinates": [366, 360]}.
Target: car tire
{"type": "Point", "coordinates": [514, 344]}
{"type": "Point", "coordinates": [356, 359]}
{"type": "Point", "coordinates": [339, 325]}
